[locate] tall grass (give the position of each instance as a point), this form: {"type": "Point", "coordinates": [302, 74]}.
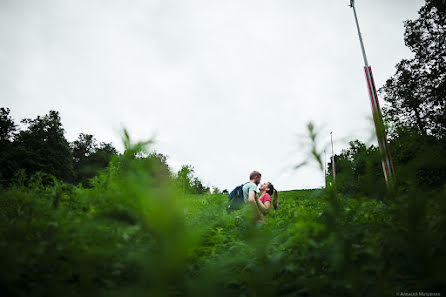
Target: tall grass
{"type": "Point", "coordinates": [135, 234]}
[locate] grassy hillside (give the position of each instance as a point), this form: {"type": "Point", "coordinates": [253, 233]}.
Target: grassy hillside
{"type": "Point", "coordinates": [132, 235]}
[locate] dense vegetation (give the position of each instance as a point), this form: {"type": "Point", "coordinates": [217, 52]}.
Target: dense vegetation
{"type": "Point", "coordinates": [42, 149]}
{"type": "Point", "coordinates": [80, 219]}
{"type": "Point", "coordinates": [133, 234]}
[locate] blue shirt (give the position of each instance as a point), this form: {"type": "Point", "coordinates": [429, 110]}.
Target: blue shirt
{"type": "Point", "coordinates": [248, 187]}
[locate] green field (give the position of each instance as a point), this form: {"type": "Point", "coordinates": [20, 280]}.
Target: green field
{"type": "Point", "coordinates": [132, 235]}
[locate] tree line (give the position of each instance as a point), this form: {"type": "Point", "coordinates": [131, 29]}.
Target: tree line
{"type": "Point", "coordinates": [41, 148]}
{"type": "Point", "coordinates": [414, 112]}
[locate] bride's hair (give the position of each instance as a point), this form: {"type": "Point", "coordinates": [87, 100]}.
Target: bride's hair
{"type": "Point", "coordinates": [273, 192]}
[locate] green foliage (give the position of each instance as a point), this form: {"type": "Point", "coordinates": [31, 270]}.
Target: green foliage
{"type": "Point", "coordinates": [43, 147]}
{"type": "Point", "coordinates": [7, 126]}
{"type": "Point", "coordinates": [420, 160]}
{"type": "Point", "coordinates": [127, 236]}
{"type": "Point", "coordinates": [133, 233]}
{"type": "Point", "coordinates": [7, 131]}
{"type": "Point", "coordinates": [359, 171]}
{"type": "Point", "coordinates": [89, 157]}
{"type": "Point", "coordinates": [416, 94]}
{"type": "Point", "coordinates": [188, 183]}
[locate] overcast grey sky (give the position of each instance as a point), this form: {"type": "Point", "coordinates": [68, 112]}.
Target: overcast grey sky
{"type": "Point", "coordinates": [226, 86]}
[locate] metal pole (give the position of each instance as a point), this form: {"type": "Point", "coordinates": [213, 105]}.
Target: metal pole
{"type": "Point", "coordinates": [386, 158]}
{"type": "Point", "coordinates": [333, 166]}
{"type": "Point", "coordinates": [352, 4]}
{"type": "Point", "coordinates": [325, 168]}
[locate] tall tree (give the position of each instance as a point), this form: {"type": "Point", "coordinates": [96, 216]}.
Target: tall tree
{"type": "Point", "coordinates": [43, 147]}
{"type": "Point", "coordinates": [162, 168]}
{"type": "Point", "coordinates": [8, 166]}
{"type": "Point", "coordinates": [358, 170]}
{"type": "Point", "coordinates": [184, 178]}
{"type": "Point", "coordinates": [7, 126]}
{"type": "Point", "coordinates": [198, 187]}
{"type": "Point", "coordinates": [416, 94]}
{"type": "Point", "coordinates": [189, 183]}
{"type": "Point", "coordinates": [83, 147]}
{"type": "Point", "coordinates": [89, 157]}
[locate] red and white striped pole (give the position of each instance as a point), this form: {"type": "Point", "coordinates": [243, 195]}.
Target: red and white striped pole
{"type": "Point", "coordinates": [386, 158]}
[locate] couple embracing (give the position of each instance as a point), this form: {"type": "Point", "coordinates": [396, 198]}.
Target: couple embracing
{"type": "Point", "coordinates": [262, 200]}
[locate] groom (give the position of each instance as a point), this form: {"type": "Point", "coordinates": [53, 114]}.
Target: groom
{"type": "Point", "coordinates": [250, 189]}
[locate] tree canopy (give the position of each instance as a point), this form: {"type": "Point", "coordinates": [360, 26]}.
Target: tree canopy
{"type": "Point", "coordinates": [416, 94]}
{"type": "Point", "coordinates": [41, 147]}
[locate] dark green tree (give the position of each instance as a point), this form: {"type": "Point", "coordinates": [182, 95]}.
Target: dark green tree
{"type": "Point", "coordinates": [198, 187]}
{"type": "Point", "coordinates": [419, 159]}
{"type": "Point", "coordinates": [83, 147]}
{"type": "Point", "coordinates": [7, 126]}
{"type": "Point", "coordinates": [359, 171]}
{"type": "Point", "coordinates": [43, 147]}
{"type": "Point", "coordinates": [162, 171]}
{"type": "Point", "coordinates": [89, 157]}
{"type": "Point", "coordinates": [416, 94]}
{"type": "Point", "coordinates": [8, 166]}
